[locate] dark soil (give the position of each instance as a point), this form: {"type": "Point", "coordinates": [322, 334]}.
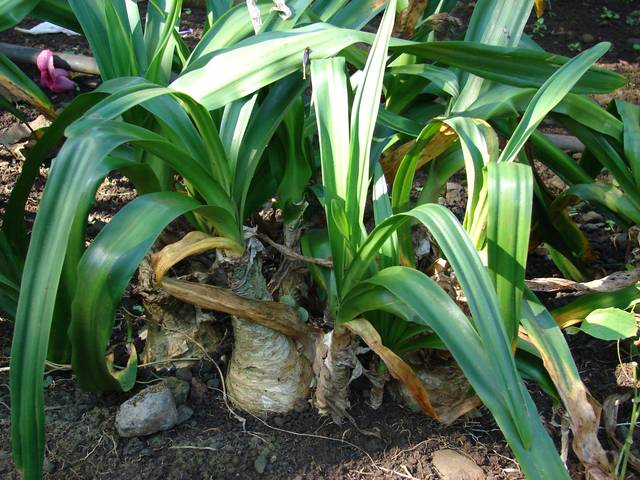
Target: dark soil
{"type": "Point", "coordinates": [81, 438]}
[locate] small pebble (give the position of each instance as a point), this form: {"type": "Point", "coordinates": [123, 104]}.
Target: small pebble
{"type": "Point", "coordinates": [184, 414]}
{"type": "Point", "coordinates": [587, 38]}
{"type": "Point", "coordinates": [260, 463]}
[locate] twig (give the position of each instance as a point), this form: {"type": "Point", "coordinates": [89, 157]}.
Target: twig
{"type": "Point", "coordinates": [159, 362]}
{"type": "Point", "coordinates": [287, 252]}
{"type": "Point", "coordinates": [192, 447]}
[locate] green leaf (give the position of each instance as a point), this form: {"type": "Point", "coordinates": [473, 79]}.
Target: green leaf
{"type": "Point", "coordinates": [630, 115]}
{"type": "Point", "coordinates": [58, 12]}
{"type": "Point", "coordinates": [472, 277]}
{"type": "Point", "coordinates": [493, 22]}
{"type": "Point", "coordinates": [13, 11]}
{"type": "Point", "coordinates": [549, 95]}
{"type": "Point", "coordinates": [510, 191]}
{"type": "Point", "coordinates": [577, 310]}
{"type": "Point", "coordinates": [443, 78]}
{"type": "Point", "coordinates": [414, 297]}
{"type": "Point", "coordinates": [545, 335]}
{"type": "Point", "coordinates": [610, 324]}
{"type": "Point", "coordinates": [259, 61]}
{"type": "Point", "coordinates": [19, 86]}
{"type": "Point", "coordinates": [109, 32]}
{"type": "Point", "coordinates": [364, 112]}
{"type": "Point", "coordinates": [510, 65]}
{"type": "Point", "coordinates": [330, 100]}
{"type": "Point", "coordinates": [106, 269]}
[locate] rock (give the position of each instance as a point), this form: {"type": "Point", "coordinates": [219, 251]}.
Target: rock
{"type": "Point", "coordinates": [184, 374]}
{"type": "Point", "coordinates": [453, 466]}
{"type": "Point", "coordinates": [592, 217]}
{"type": "Point", "coordinates": [260, 463]}
{"type": "Point", "coordinates": [184, 414]}
{"type": "Point", "coordinates": [590, 227]}
{"type": "Point", "coordinates": [279, 422]}
{"type": "Point", "coordinates": [587, 38]}
{"type": "Point", "coordinates": [179, 389]}
{"type": "Point", "coordinates": [150, 411]}
{"type": "Point", "coordinates": [633, 40]}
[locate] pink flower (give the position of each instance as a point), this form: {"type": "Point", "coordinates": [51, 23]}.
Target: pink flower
{"type": "Point", "coordinates": [55, 79]}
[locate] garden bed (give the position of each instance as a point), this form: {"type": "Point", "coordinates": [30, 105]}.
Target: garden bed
{"type": "Point", "coordinates": [389, 442]}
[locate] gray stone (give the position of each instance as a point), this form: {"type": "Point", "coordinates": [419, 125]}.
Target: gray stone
{"type": "Point", "coordinates": [179, 389]}
{"type": "Point", "coordinates": [453, 466]}
{"type": "Point", "coordinates": [184, 414]}
{"type": "Point", "coordinates": [592, 217]}
{"type": "Point", "coordinates": [260, 463]}
{"type": "Point", "coordinates": [150, 411]}
{"type": "Point", "coordinates": [587, 38]}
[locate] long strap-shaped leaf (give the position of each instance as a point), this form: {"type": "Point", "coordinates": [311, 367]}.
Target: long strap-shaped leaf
{"type": "Point", "coordinates": [72, 173]}
{"type": "Point", "coordinates": [508, 224]}
{"type": "Point", "coordinates": [545, 334]}
{"type": "Point", "coordinates": [630, 115]}
{"type": "Point", "coordinates": [475, 282]}
{"type": "Point", "coordinates": [506, 101]}
{"type": "Point", "coordinates": [493, 22]}
{"type": "Point", "coordinates": [331, 105]}
{"type": "Point", "coordinates": [549, 95]}
{"type": "Point", "coordinates": [414, 297]}
{"type": "Point", "coordinates": [104, 271]}
{"type": "Point", "coordinates": [13, 11]}
{"type": "Point", "coordinates": [259, 61]}
{"type": "Point", "coordinates": [515, 66]}
{"type": "Point", "coordinates": [364, 112]}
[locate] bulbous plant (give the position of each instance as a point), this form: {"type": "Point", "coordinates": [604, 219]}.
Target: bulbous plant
{"type": "Point", "coordinates": [151, 133]}
{"type": "Point", "coordinates": [219, 120]}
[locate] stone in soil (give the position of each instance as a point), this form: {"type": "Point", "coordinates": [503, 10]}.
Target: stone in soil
{"type": "Point", "coordinates": [150, 411]}
{"type": "Point", "coordinates": [179, 389]}
{"type": "Point", "coordinates": [453, 466]}
{"type": "Point", "coordinates": [184, 414]}
{"type": "Point", "coordinates": [260, 463]}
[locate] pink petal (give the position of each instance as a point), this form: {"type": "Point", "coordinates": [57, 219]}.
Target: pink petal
{"type": "Point", "coordinates": [60, 72]}
{"type": "Point", "coordinates": [50, 67]}
{"type": "Point", "coordinates": [43, 59]}
{"type": "Point", "coordinates": [62, 84]}
{"type": "Point", "coordinates": [55, 79]}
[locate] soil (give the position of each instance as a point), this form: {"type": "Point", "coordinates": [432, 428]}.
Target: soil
{"type": "Point", "coordinates": [81, 438]}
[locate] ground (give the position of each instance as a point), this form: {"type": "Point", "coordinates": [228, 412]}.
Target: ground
{"type": "Point", "coordinates": [81, 438]}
